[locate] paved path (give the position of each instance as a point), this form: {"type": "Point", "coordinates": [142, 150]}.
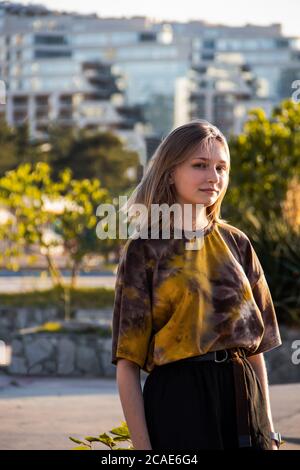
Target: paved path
{"type": "Point", "coordinates": [40, 413]}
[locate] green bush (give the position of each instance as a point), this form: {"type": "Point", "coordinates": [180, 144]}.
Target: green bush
{"type": "Point", "coordinates": [119, 434]}
{"type": "Point", "coordinates": [278, 248]}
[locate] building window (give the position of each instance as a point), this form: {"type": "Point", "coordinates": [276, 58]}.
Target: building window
{"type": "Point", "coordinates": [38, 54]}
{"type": "Point", "coordinates": [208, 44]}
{"type": "Point", "coordinates": [207, 56]}
{"type": "Point", "coordinates": [282, 43]}
{"type": "Point", "coordinates": [42, 100]}
{"type": "Point", "coordinates": [50, 40]}
{"type": "Point", "coordinates": [147, 36]}
{"type": "Point", "coordinates": [20, 100]}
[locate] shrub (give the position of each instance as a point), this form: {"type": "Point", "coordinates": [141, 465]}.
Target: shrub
{"type": "Point", "coordinates": [119, 434]}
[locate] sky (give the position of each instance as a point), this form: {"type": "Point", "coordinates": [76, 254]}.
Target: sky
{"type": "Point", "coordinates": [230, 12]}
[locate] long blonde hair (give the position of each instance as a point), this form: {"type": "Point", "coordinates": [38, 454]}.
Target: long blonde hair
{"type": "Point", "coordinates": [175, 148]}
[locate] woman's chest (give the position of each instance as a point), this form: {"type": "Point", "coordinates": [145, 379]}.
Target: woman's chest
{"type": "Point", "coordinates": [210, 279]}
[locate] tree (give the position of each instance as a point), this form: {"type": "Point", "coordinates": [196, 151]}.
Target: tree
{"type": "Point", "coordinates": [265, 159]}
{"type": "Point", "coordinates": [263, 199]}
{"type": "Point", "coordinates": [89, 154]}
{"type": "Point", "coordinates": [8, 153]}
{"type": "Point", "coordinates": [67, 206]}
{"type": "Point", "coordinates": [92, 155]}
{"type": "Point", "coordinates": [16, 147]}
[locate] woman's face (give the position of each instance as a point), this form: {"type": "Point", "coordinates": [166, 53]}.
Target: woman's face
{"type": "Point", "coordinates": [200, 172]}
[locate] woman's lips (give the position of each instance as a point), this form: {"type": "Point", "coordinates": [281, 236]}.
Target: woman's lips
{"type": "Point", "coordinates": [209, 191]}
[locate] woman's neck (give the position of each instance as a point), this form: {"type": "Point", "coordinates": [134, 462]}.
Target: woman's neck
{"type": "Point", "coordinates": [193, 218]}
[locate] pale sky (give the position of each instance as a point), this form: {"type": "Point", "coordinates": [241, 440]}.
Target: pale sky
{"type": "Point", "coordinates": [231, 12]}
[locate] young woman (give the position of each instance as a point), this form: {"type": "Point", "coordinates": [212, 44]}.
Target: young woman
{"type": "Point", "coordinates": [196, 320]}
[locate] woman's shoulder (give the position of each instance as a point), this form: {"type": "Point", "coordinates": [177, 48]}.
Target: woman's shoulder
{"type": "Point", "coordinates": [241, 246]}
{"type": "Point", "coordinates": [145, 249]}
{"type": "Point", "coordinates": [237, 241]}
{"type": "Point", "coordinates": [233, 231]}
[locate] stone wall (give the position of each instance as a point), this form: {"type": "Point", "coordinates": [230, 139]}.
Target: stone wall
{"type": "Point", "coordinates": [78, 353]}
{"type": "Point", "coordinates": [13, 319]}
{"type": "Point", "coordinates": [280, 366]}
{"type": "Point", "coordinates": [82, 353]}
{"type": "Point", "coordinates": [61, 354]}
{"type": "Point", "coordinates": [86, 354]}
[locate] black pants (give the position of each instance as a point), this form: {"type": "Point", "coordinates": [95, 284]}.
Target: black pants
{"type": "Point", "coordinates": [191, 405]}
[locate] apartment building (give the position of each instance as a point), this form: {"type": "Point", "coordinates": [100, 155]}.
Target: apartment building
{"type": "Point", "coordinates": [122, 72]}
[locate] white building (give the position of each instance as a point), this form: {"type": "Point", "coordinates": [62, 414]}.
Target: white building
{"type": "Point", "coordinates": [43, 62]}
{"type": "Point", "coordinates": [43, 53]}
{"type": "Point", "coordinates": [222, 91]}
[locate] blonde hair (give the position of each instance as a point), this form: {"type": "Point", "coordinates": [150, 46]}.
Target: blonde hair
{"type": "Point", "coordinates": [175, 148]}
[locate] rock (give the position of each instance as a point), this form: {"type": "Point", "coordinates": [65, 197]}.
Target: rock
{"type": "Point", "coordinates": [87, 360]}
{"type": "Point", "coordinates": [50, 367]}
{"type": "Point", "coordinates": [106, 344]}
{"type": "Point", "coordinates": [35, 370]}
{"type": "Point", "coordinates": [94, 314]}
{"type": "Point", "coordinates": [18, 366]}
{"type": "Point", "coordinates": [38, 350]}
{"type": "Point", "coordinates": [109, 370]}
{"type": "Point", "coordinates": [21, 320]}
{"type": "Point", "coordinates": [66, 357]}
{"type": "Point", "coordinates": [280, 366]}
{"type": "Point", "coordinates": [17, 347]}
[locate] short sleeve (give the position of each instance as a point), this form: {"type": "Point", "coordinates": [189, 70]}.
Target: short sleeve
{"type": "Point", "coordinates": [262, 296]}
{"type": "Point", "coordinates": [132, 312]}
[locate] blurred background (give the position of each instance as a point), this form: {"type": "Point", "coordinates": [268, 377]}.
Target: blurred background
{"type": "Point", "coordinates": [87, 93]}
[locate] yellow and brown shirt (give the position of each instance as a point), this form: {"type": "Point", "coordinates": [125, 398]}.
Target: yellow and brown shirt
{"type": "Point", "coordinates": [172, 303]}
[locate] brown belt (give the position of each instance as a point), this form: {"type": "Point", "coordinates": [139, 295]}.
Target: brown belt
{"type": "Point", "coordinates": [242, 398]}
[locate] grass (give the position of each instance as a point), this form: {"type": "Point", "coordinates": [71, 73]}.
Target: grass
{"type": "Point", "coordinates": [99, 297]}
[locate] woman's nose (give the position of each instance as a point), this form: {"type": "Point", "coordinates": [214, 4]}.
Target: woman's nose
{"type": "Point", "coordinates": [213, 175]}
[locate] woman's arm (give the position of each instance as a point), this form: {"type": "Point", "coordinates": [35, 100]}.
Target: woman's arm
{"type": "Point", "coordinates": [131, 396]}
{"type": "Point", "coordinates": [258, 363]}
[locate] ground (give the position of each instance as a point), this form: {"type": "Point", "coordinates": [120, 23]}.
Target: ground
{"type": "Point", "coordinates": [40, 413]}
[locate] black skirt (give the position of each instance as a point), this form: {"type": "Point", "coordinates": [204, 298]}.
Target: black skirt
{"type": "Point", "coordinates": [192, 405]}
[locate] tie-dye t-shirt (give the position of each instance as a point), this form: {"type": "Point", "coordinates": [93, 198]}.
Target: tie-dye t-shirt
{"type": "Point", "coordinates": [172, 303]}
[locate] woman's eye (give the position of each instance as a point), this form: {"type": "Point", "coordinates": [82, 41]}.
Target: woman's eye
{"type": "Point", "coordinates": [201, 165]}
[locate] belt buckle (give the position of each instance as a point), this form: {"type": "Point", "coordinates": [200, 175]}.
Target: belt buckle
{"type": "Point", "coordinates": [222, 360]}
